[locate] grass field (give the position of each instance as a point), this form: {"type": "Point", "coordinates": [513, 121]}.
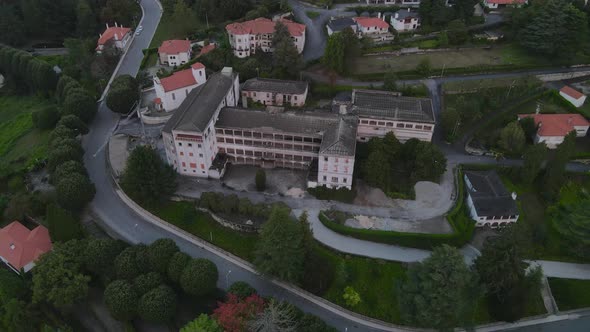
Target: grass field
{"type": "Point", "coordinates": [20, 142]}
{"type": "Point", "coordinates": [501, 55]}
{"type": "Point", "coordinates": [570, 294]}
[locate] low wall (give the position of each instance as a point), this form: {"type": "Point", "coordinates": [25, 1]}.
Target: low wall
{"type": "Point", "coordinates": [562, 76]}
{"type": "Point", "coordinates": [232, 225]}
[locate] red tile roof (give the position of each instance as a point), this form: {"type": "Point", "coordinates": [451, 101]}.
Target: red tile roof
{"type": "Point", "coordinates": [507, 2]}
{"type": "Point", "coordinates": [572, 92]}
{"type": "Point", "coordinates": [175, 46]}
{"type": "Point", "coordinates": [207, 48]}
{"type": "Point", "coordinates": [556, 124]}
{"type": "Point", "coordinates": [109, 34]}
{"type": "Point", "coordinates": [20, 246]}
{"type": "Point", "coordinates": [264, 26]}
{"type": "Point", "coordinates": [180, 79]}
{"type": "Point", "coordinates": [371, 22]}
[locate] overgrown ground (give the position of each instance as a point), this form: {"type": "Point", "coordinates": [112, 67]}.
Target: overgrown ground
{"type": "Point", "coordinates": [570, 294]}
{"type": "Point", "coordinates": [20, 143]}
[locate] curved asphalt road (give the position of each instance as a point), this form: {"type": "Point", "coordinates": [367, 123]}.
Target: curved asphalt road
{"type": "Point", "coordinates": [123, 222]}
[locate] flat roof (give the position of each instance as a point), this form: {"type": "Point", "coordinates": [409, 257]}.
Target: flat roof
{"type": "Point", "coordinates": [383, 104]}
{"type": "Point", "coordinates": [275, 86]}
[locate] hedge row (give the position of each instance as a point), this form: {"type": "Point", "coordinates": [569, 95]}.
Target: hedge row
{"type": "Point", "coordinates": [458, 218]}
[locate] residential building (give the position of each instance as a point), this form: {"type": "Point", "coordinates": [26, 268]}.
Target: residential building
{"type": "Point", "coordinates": [375, 28]}
{"type": "Point", "coordinates": [394, 2]}
{"type": "Point", "coordinates": [274, 92]}
{"type": "Point", "coordinates": [380, 112]}
{"type": "Point", "coordinates": [189, 136]}
{"type": "Point", "coordinates": [575, 97]}
{"type": "Point", "coordinates": [488, 201]}
{"type": "Point", "coordinates": [174, 52]}
{"type": "Point", "coordinates": [495, 4]}
{"type": "Point", "coordinates": [552, 128]}
{"type": "Point", "coordinates": [172, 90]}
{"type": "Point", "coordinates": [405, 20]}
{"type": "Point", "coordinates": [246, 37]}
{"type": "Point", "coordinates": [21, 247]}
{"type": "Point", "coordinates": [115, 37]}
{"type": "Point", "coordinates": [338, 24]}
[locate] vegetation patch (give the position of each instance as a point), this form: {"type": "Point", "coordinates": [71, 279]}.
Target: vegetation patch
{"type": "Point", "coordinates": [570, 294]}
{"type": "Point", "coordinates": [324, 193]}
{"type": "Point", "coordinates": [312, 14]}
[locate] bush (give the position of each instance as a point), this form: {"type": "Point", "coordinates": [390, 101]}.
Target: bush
{"type": "Point", "coordinates": [159, 254]}
{"type": "Point", "coordinates": [74, 192]}
{"type": "Point", "coordinates": [45, 118]}
{"type": "Point", "coordinates": [123, 94]}
{"type": "Point", "coordinates": [324, 193]}
{"type": "Point", "coordinates": [241, 289]}
{"type": "Point", "coordinates": [62, 154]}
{"type": "Point", "coordinates": [66, 169]}
{"type": "Point", "coordinates": [74, 123]}
{"type": "Point", "coordinates": [126, 263]}
{"type": "Point", "coordinates": [100, 255]}
{"type": "Point", "coordinates": [61, 132]}
{"type": "Point", "coordinates": [176, 265]}
{"type": "Point", "coordinates": [199, 277]}
{"type": "Point", "coordinates": [121, 299]}
{"type": "Point", "coordinates": [260, 180]}
{"type": "Point", "coordinates": [158, 305]}
{"type": "Point", "coordinates": [80, 104]}
{"type": "Point", "coordinates": [146, 282]}
{"type": "Point", "coordinates": [62, 225]}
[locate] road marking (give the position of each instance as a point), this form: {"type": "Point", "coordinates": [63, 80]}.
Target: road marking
{"type": "Point", "coordinates": [106, 139]}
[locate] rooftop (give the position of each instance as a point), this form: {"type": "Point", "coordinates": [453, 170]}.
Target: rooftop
{"type": "Point", "coordinates": [110, 33]}
{"type": "Point", "coordinates": [383, 104]}
{"type": "Point", "coordinates": [572, 92]}
{"type": "Point", "coordinates": [340, 140]}
{"type": "Point", "coordinates": [275, 86]}
{"type": "Point", "coordinates": [371, 22]}
{"type": "Point", "coordinates": [403, 14]}
{"type": "Point", "coordinates": [489, 196]}
{"type": "Point", "coordinates": [21, 246]}
{"type": "Point", "coordinates": [198, 108]}
{"type": "Point", "coordinates": [556, 124]}
{"type": "Point", "coordinates": [264, 26]}
{"type": "Point", "coordinates": [180, 79]}
{"type": "Point", "coordinates": [206, 49]}
{"type": "Point", "coordinates": [341, 23]}
{"type": "Point", "coordinates": [507, 2]}
{"type": "Point", "coordinates": [174, 46]}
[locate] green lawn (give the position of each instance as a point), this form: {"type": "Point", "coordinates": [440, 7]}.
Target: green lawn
{"type": "Point", "coordinates": [311, 14]}
{"type": "Point", "coordinates": [20, 142]}
{"type": "Point", "coordinates": [570, 294]}
{"type": "Point", "coordinates": [166, 31]}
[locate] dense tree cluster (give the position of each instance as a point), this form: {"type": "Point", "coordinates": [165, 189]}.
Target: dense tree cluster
{"type": "Point", "coordinates": [342, 48]}
{"type": "Point", "coordinates": [571, 219]}
{"type": "Point", "coordinates": [123, 94]}
{"type": "Point", "coordinates": [436, 13]}
{"type": "Point", "coordinates": [27, 72]}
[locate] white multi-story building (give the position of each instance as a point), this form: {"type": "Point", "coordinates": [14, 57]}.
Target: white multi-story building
{"type": "Point", "coordinates": [246, 37]}
{"type": "Point", "coordinates": [174, 52]}
{"type": "Point", "coordinates": [115, 37]}
{"type": "Point", "coordinates": [274, 92]}
{"type": "Point", "coordinates": [489, 203]}
{"type": "Point", "coordinates": [405, 20]}
{"type": "Point", "coordinates": [172, 90]}
{"type": "Point", "coordinates": [373, 27]}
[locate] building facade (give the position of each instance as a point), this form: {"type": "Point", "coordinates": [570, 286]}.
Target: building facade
{"type": "Point", "coordinates": [246, 37]}
{"type": "Point", "coordinates": [405, 20]}
{"type": "Point", "coordinates": [375, 28]}
{"type": "Point", "coordinates": [552, 128]}
{"type": "Point", "coordinates": [172, 90]}
{"type": "Point", "coordinates": [572, 95]}
{"type": "Point", "coordinates": [174, 52]}
{"type": "Point", "coordinates": [274, 92]}
{"type": "Point", "coordinates": [115, 37]}
{"type": "Point", "coordinates": [489, 203]}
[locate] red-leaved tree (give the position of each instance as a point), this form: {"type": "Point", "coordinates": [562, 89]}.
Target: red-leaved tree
{"type": "Point", "coordinates": [234, 314]}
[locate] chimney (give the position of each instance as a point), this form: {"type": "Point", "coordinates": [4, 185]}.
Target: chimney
{"type": "Point", "coordinates": [12, 246]}
{"type": "Point", "coordinates": [514, 196]}
{"type": "Point", "coordinates": [116, 26]}
{"type": "Point", "coordinates": [107, 25]}
{"type": "Point", "coordinates": [100, 35]}
{"type": "Point", "coordinates": [396, 15]}
{"type": "Point", "coordinates": [379, 15]}
{"type": "Point", "coordinates": [409, 10]}
{"type": "Point", "coordinates": [116, 36]}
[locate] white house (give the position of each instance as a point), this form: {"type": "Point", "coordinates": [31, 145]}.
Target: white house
{"type": "Point", "coordinates": [246, 37]}
{"type": "Point", "coordinates": [552, 128]}
{"type": "Point", "coordinates": [489, 203]}
{"type": "Point", "coordinates": [275, 92]}
{"type": "Point", "coordinates": [338, 24]}
{"type": "Point", "coordinates": [116, 37]}
{"type": "Point", "coordinates": [373, 27]}
{"type": "Point", "coordinates": [172, 90]}
{"type": "Point", "coordinates": [573, 96]}
{"type": "Point", "coordinates": [405, 20]}
{"type": "Point", "coordinates": [494, 4]}
{"type": "Point", "coordinates": [174, 52]}
{"type": "Point", "coordinates": [21, 247]}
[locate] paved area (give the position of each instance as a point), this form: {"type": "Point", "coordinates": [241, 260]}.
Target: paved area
{"type": "Point", "coordinates": [284, 182]}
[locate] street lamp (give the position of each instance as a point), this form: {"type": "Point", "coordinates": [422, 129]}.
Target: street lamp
{"type": "Point", "coordinates": [227, 279]}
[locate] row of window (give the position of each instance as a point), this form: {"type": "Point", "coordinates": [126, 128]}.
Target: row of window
{"type": "Point", "coordinates": [397, 125]}
{"type": "Point", "coordinates": [270, 145]}
{"type": "Point", "coordinates": [267, 155]}
{"type": "Point", "coordinates": [498, 218]}
{"type": "Point", "coordinates": [268, 95]}
{"type": "Point", "coordinates": [275, 163]}
{"type": "Point", "coordinates": [245, 133]}
{"type": "Point", "coordinates": [336, 160]}
{"type": "Point", "coordinates": [190, 154]}
{"type": "Point", "coordinates": [334, 179]}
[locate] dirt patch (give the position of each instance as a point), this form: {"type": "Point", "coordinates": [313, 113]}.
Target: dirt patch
{"type": "Point", "coordinates": [286, 182]}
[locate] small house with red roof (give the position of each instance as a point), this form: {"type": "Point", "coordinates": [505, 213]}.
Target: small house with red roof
{"type": "Point", "coordinates": [206, 49]}
{"type": "Point", "coordinates": [374, 27]}
{"type": "Point", "coordinates": [573, 96]}
{"type": "Point", "coordinates": [20, 247]}
{"type": "Point", "coordinates": [116, 37]}
{"type": "Point", "coordinates": [552, 128]}
{"type": "Point", "coordinates": [246, 37]}
{"type": "Point", "coordinates": [174, 52]}
{"type": "Point", "coordinates": [494, 4]}
{"type": "Point", "coordinates": [172, 90]}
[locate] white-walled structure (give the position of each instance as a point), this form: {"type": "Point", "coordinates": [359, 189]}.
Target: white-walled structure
{"type": "Point", "coordinates": [489, 203]}
{"type": "Point", "coordinates": [174, 52]}
{"type": "Point", "coordinates": [405, 20]}
{"type": "Point", "coordinates": [573, 96]}
{"type": "Point", "coordinates": [116, 37]}
{"type": "Point", "coordinates": [373, 27]}
{"type": "Point", "coordinates": [552, 128]}
{"type": "Point", "coordinates": [274, 92]}
{"type": "Point", "coordinates": [338, 24]}
{"type": "Point", "coordinates": [246, 37]}
{"type": "Point", "coordinates": [494, 4]}
{"type": "Point", "coordinates": [172, 90]}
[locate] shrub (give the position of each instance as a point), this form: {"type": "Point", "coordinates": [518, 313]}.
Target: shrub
{"type": "Point", "coordinates": [45, 118]}
{"type": "Point", "coordinates": [100, 255]}
{"type": "Point", "coordinates": [74, 192]}
{"type": "Point", "coordinates": [61, 154]}
{"type": "Point", "coordinates": [121, 299]}
{"type": "Point", "coordinates": [61, 132]}
{"type": "Point", "coordinates": [146, 282]}
{"type": "Point", "coordinates": [199, 277]}
{"type": "Point", "coordinates": [62, 225]}
{"type": "Point", "coordinates": [123, 94]}
{"type": "Point", "coordinates": [324, 193]}
{"type": "Point", "coordinates": [80, 104]}
{"type": "Point", "coordinates": [159, 254]}
{"type": "Point", "coordinates": [241, 289]}
{"type": "Point", "coordinates": [176, 265]}
{"type": "Point", "coordinates": [158, 305]}
{"type": "Point", "coordinates": [260, 180]}
{"type": "Point", "coordinates": [74, 123]}
{"type": "Point", "coordinates": [126, 263]}
{"type": "Point", "coordinates": [66, 169]}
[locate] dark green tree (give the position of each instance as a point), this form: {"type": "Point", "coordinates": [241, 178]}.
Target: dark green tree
{"type": "Point", "coordinates": [335, 54]}
{"type": "Point", "coordinates": [122, 11]}
{"type": "Point", "coordinates": [74, 192]}
{"type": "Point", "coordinates": [61, 154]}
{"type": "Point", "coordinates": [146, 282]}
{"type": "Point", "coordinates": [80, 104]}
{"type": "Point", "coordinates": [126, 264]}
{"type": "Point", "coordinates": [176, 265]}
{"type": "Point", "coordinates": [260, 180]}
{"type": "Point", "coordinates": [424, 68]}
{"type": "Point", "coordinates": [184, 20]}
{"type": "Point", "coordinates": [287, 62]}
{"type": "Point", "coordinates": [147, 179]}
{"type": "Point", "coordinates": [441, 292]}
{"type": "Point", "coordinates": [12, 29]}
{"type": "Point", "coordinates": [66, 169]}
{"type": "Point", "coordinates": [158, 305]}
{"type": "Point", "coordinates": [457, 32]}
{"type": "Point", "coordinates": [512, 139]}
{"type": "Point", "coordinates": [571, 219]}
{"type": "Point", "coordinates": [45, 118]}
{"type": "Point", "coordinates": [160, 253]}
{"type": "Point", "coordinates": [390, 81]}
{"type": "Point", "coordinates": [123, 94]}
{"type": "Point", "coordinates": [100, 255]}
{"type": "Point", "coordinates": [241, 289]}
{"type": "Point", "coordinates": [199, 277]}
{"type": "Point", "coordinates": [85, 19]}
{"type": "Point", "coordinates": [429, 163]}
{"type": "Point", "coordinates": [63, 225]}
{"type": "Point", "coordinates": [203, 323]}
{"type": "Point", "coordinates": [74, 123]}
{"type": "Point", "coordinates": [555, 172]}
{"type": "Point", "coordinates": [534, 157]}
{"type": "Point", "coordinates": [280, 250]}
{"type": "Point", "coordinates": [529, 127]}
{"type": "Point", "coordinates": [121, 298]}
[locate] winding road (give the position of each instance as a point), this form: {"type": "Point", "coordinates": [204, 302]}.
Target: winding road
{"type": "Point", "coordinates": [121, 221]}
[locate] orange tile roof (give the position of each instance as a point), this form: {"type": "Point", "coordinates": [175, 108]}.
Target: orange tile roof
{"type": "Point", "coordinates": [180, 79]}
{"type": "Point", "coordinates": [556, 124]}
{"type": "Point", "coordinates": [110, 32]}
{"type": "Point", "coordinates": [264, 26]}
{"type": "Point", "coordinates": [20, 246]}
{"type": "Point", "coordinates": [572, 92]}
{"type": "Point", "coordinates": [371, 22]}
{"type": "Point", "coordinates": [175, 46]}
{"type": "Point", "coordinates": [207, 48]}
